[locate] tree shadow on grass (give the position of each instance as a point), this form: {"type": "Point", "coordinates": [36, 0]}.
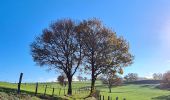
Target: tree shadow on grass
{"type": "Point", "coordinates": [149, 86]}
{"type": "Point", "coordinates": [23, 92]}
{"type": "Point", "coordinates": [145, 86]}
{"type": "Point", "coordinates": [8, 90]}
{"type": "Point", "coordinates": [106, 86]}
{"type": "Point", "coordinates": [97, 86]}
{"type": "Point", "coordinates": [163, 97]}
{"type": "Point", "coordinates": [115, 91]}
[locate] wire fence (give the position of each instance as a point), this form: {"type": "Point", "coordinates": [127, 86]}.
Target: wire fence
{"type": "Point", "coordinates": [56, 90]}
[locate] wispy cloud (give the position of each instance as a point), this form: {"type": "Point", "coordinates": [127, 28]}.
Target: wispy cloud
{"type": "Point", "coordinates": [52, 79]}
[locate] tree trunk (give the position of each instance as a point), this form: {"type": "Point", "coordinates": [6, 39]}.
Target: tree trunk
{"type": "Point", "coordinates": [110, 89]}
{"type": "Point", "coordinates": [92, 86]}
{"type": "Point", "coordinates": [93, 79]}
{"type": "Point", "coordinates": [69, 85]}
{"type": "Point", "coordinates": [92, 75]}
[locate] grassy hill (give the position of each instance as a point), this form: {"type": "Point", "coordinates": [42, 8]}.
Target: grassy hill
{"type": "Point", "coordinates": [80, 90]}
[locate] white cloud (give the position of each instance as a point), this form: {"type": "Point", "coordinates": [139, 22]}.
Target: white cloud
{"type": "Point", "coordinates": [149, 75]}
{"type": "Point", "coordinates": [52, 79]}
{"type": "Point", "coordinates": [75, 78]}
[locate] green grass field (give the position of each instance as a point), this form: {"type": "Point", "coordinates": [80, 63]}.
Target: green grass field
{"type": "Point", "coordinates": [130, 91]}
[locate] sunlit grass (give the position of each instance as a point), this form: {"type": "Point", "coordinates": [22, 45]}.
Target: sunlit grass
{"type": "Point", "coordinates": [130, 92]}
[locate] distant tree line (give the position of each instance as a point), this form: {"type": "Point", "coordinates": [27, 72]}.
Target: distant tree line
{"type": "Point", "coordinates": [131, 77]}
{"type": "Point", "coordinates": [157, 76]}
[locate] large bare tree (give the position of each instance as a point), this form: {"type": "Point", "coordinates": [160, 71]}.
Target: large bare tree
{"type": "Point", "coordinates": [103, 50]}
{"type": "Point", "coordinates": [59, 48]}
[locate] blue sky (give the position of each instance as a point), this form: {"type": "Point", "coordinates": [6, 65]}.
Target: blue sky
{"type": "Point", "coordinates": [144, 23]}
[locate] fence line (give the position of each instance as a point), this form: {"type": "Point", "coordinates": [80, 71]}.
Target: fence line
{"type": "Point", "coordinates": [52, 89]}
{"type": "Point", "coordinates": [56, 91]}
{"type": "Point", "coordinates": [102, 97]}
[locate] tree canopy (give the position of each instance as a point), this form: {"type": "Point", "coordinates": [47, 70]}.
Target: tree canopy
{"type": "Point", "coordinates": [65, 45]}
{"type": "Point", "coordinates": [103, 50]}
{"type": "Point", "coordinates": [59, 48]}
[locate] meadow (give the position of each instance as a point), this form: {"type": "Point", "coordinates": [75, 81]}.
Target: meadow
{"type": "Point", "coordinates": [80, 91]}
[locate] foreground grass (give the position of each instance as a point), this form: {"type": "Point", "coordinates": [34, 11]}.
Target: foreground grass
{"type": "Point", "coordinates": [60, 92]}
{"type": "Point", "coordinates": [5, 96]}
{"type": "Point", "coordinates": [130, 92]}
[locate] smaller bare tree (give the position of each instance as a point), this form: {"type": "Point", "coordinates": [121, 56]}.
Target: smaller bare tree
{"type": "Point", "coordinates": [131, 77]}
{"type": "Point", "coordinates": [80, 78]}
{"type": "Point", "coordinates": [165, 83]}
{"type": "Point", "coordinates": [111, 80]}
{"type": "Point", "coordinates": [85, 78]}
{"type": "Point", "coordinates": [62, 80]}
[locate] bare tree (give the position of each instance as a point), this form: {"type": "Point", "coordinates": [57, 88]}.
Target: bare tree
{"type": "Point", "coordinates": [62, 80]}
{"type": "Point", "coordinates": [131, 77]}
{"type": "Point", "coordinates": [157, 76]}
{"type": "Point", "coordinates": [111, 80]}
{"type": "Point", "coordinates": [85, 78]}
{"type": "Point", "coordinates": [103, 49]}
{"type": "Point", "coordinates": [59, 48]}
{"type": "Point", "coordinates": [165, 83]}
{"type": "Point", "coordinates": [80, 78]}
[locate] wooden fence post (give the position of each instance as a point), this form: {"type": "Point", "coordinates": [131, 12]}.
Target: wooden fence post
{"type": "Point", "coordinates": [53, 92]}
{"type": "Point", "coordinates": [19, 84]}
{"type": "Point", "coordinates": [36, 88]}
{"type": "Point", "coordinates": [64, 90]}
{"type": "Point", "coordinates": [100, 98]}
{"type": "Point", "coordinates": [59, 91]}
{"type": "Point", "coordinates": [117, 98]}
{"type": "Point", "coordinates": [103, 97]}
{"type": "Point", "coordinates": [45, 90]}
{"type": "Point", "coordinates": [108, 97]}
